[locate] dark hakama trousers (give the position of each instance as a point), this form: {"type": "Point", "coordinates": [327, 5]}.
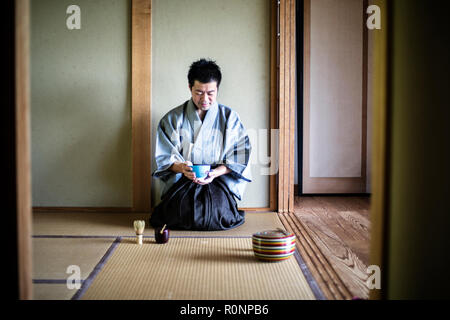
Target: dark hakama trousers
{"type": "Point", "coordinates": [190, 206]}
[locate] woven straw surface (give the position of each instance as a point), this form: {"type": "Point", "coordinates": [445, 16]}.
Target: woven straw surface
{"type": "Point", "coordinates": [121, 224]}
{"type": "Point", "coordinates": [52, 257]}
{"type": "Point", "coordinates": [196, 268]}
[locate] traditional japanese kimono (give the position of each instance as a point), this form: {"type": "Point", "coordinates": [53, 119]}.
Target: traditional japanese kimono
{"type": "Point", "coordinates": [219, 139]}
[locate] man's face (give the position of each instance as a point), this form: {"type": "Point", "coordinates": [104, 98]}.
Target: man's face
{"type": "Point", "coordinates": [204, 94]}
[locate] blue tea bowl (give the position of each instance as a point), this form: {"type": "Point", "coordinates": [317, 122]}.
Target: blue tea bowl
{"type": "Point", "coordinates": [201, 170]}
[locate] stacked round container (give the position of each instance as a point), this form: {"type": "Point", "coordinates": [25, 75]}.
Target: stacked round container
{"type": "Point", "coordinates": [273, 245]}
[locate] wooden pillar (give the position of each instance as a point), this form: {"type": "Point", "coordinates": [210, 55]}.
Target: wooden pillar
{"type": "Point", "coordinates": [380, 147]}
{"type": "Point", "coordinates": [22, 141]}
{"type": "Point", "coordinates": [286, 104]}
{"type": "Point", "coordinates": [140, 104]}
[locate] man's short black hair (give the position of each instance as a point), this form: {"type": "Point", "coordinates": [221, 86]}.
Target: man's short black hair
{"type": "Point", "coordinates": [204, 71]}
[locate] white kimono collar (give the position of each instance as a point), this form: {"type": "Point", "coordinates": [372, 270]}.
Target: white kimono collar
{"type": "Point", "coordinates": [195, 121]}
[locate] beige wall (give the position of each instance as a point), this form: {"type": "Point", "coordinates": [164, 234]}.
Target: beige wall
{"type": "Point", "coordinates": [80, 104]}
{"type": "Point", "coordinates": [236, 34]}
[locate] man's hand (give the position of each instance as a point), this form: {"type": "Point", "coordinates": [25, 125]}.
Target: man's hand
{"type": "Point", "coordinates": [184, 168]}
{"type": "Point", "coordinates": [208, 179]}
{"type": "Point", "coordinates": [217, 172]}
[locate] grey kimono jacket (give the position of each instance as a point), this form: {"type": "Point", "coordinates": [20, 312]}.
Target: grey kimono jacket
{"type": "Point", "coordinates": [219, 139]}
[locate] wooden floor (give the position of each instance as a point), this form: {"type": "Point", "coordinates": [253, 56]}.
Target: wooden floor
{"type": "Point", "coordinates": [340, 228]}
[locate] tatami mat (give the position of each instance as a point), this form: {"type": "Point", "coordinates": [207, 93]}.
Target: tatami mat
{"type": "Point", "coordinates": [52, 256]}
{"type": "Point", "coordinates": [192, 265]}
{"type": "Point", "coordinates": [197, 269]}
{"type": "Point", "coordinates": [121, 224]}
{"type": "Point", "coordinates": [52, 291]}
{"type": "Point", "coordinates": [85, 223]}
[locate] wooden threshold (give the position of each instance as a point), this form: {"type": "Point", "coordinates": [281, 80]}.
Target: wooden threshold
{"type": "Point", "coordinates": [266, 209]}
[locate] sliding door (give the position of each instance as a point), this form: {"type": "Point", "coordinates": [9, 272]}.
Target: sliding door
{"type": "Point", "coordinates": [335, 97]}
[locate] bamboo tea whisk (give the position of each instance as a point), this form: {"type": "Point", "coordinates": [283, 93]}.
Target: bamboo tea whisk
{"type": "Point", "coordinates": [139, 226]}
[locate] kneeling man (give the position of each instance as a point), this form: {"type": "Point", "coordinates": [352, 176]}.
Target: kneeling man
{"type": "Point", "coordinates": [201, 131]}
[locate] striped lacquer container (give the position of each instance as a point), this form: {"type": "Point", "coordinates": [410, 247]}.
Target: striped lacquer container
{"type": "Point", "coordinates": [273, 245]}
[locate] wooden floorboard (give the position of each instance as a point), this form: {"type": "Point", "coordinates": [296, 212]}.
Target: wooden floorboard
{"type": "Point", "coordinates": [340, 229]}
{"type": "Point", "coordinates": [325, 276]}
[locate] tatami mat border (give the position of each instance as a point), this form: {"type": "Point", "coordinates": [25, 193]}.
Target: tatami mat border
{"type": "Point", "coordinates": [54, 281]}
{"type": "Point", "coordinates": [96, 270]}
{"type": "Point", "coordinates": [309, 277]}
{"type": "Point", "coordinates": [130, 236]}
{"type": "Point", "coordinates": [58, 236]}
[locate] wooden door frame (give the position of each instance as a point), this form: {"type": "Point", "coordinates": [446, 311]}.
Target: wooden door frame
{"type": "Point", "coordinates": [284, 111]}
{"type": "Point", "coordinates": [283, 84]}
{"type": "Point", "coordinates": [141, 101]}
